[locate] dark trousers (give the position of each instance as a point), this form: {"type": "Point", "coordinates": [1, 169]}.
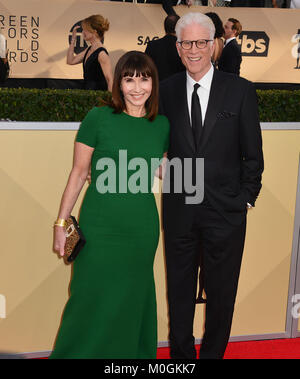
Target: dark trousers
{"type": "Point", "coordinates": [3, 71]}
{"type": "Point", "coordinates": [222, 249]}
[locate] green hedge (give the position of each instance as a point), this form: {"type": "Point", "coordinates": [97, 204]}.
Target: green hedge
{"type": "Point", "coordinates": [72, 105]}
{"type": "Point", "coordinates": [22, 104]}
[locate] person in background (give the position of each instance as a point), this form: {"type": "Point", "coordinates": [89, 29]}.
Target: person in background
{"type": "Point", "coordinates": [295, 4]}
{"type": "Point", "coordinates": [4, 66]}
{"type": "Point", "coordinates": [298, 50]}
{"type": "Point", "coordinates": [248, 3]}
{"type": "Point", "coordinates": [219, 34]}
{"type": "Point", "coordinates": [169, 4]}
{"type": "Point", "coordinates": [273, 3]}
{"type": "Point", "coordinates": [163, 51]}
{"type": "Point", "coordinates": [256, 3]}
{"type": "Point", "coordinates": [219, 3]}
{"type": "Point", "coordinates": [97, 71]}
{"type": "Point", "coordinates": [231, 58]}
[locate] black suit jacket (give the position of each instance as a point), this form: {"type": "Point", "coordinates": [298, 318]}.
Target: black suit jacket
{"type": "Point", "coordinates": [231, 58]}
{"type": "Point", "coordinates": [165, 56]}
{"type": "Point", "coordinates": [230, 144]}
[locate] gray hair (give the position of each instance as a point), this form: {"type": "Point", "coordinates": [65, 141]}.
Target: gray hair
{"type": "Point", "coordinates": [195, 18]}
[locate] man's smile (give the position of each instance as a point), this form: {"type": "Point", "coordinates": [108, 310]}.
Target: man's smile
{"type": "Point", "coordinates": [194, 59]}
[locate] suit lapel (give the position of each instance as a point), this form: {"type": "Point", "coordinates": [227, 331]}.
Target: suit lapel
{"type": "Point", "coordinates": [230, 43]}
{"type": "Point", "coordinates": [215, 104]}
{"type": "Point", "coordinates": [183, 118]}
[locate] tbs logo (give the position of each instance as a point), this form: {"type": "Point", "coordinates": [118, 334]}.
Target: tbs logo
{"type": "Point", "coordinates": [254, 44]}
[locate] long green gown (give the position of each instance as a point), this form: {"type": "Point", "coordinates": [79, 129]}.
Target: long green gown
{"type": "Point", "coordinates": [111, 312]}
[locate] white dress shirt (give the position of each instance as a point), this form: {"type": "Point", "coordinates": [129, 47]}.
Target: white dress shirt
{"type": "Point", "coordinates": [202, 92]}
{"type": "Point", "coordinates": [228, 40]}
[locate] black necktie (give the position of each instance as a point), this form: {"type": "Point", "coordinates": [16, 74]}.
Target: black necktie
{"type": "Point", "coordinates": [196, 116]}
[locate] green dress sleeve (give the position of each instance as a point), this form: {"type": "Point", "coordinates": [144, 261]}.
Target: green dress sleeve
{"type": "Point", "coordinates": [87, 132]}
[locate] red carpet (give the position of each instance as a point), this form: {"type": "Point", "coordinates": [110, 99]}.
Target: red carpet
{"type": "Point", "coordinates": [267, 349]}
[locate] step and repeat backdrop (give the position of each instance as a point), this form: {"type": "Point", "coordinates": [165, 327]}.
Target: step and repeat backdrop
{"type": "Point", "coordinates": [38, 35]}
{"type": "Point", "coordinates": [34, 282]}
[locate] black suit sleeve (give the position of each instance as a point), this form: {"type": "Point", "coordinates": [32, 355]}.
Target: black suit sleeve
{"type": "Point", "coordinates": [160, 104]}
{"type": "Point", "coordinates": [148, 49]}
{"type": "Point", "coordinates": [168, 7]}
{"type": "Point", "coordinates": [251, 146]}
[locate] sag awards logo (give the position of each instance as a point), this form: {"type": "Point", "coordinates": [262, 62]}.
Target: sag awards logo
{"type": "Point", "coordinates": [22, 34]}
{"type": "Point", "coordinates": [142, 40]}
{"type": "Point", "coordinates": [80, 43]}
{"type": "Point", "coordinates": [296, 49]}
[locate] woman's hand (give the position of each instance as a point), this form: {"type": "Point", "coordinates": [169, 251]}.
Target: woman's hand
{"type": "Point", "coordinates": [81, 163]}
{"type": "Point", "coordinates": [74, 32]}
{"type": "Point", "coordinates": [161, 170]}
{"type": "Point", "coordinates": [59, 240]}
{"type": "Point", "coordinates": [71, 58]}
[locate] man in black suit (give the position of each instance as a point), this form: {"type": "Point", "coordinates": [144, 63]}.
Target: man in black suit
{"type": "Point", "coordinates": [231, 58]}
{"type": "Point", "coordinates": [213, 115]}
{"type": "Point", "coordinates": [163, 51]}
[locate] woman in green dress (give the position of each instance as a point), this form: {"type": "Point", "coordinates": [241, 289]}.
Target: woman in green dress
{"type": "Point", "coordinates": [111, 312]}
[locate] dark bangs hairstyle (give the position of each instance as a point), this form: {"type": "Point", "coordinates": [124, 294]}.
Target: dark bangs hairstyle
{"type": "Point", "coordinates": [139, 64]}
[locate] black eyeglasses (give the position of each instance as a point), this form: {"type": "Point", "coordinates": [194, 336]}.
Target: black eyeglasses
{"type": "Point", "coordinates": [200, 43]}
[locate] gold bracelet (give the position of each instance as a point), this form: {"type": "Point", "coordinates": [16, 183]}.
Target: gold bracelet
{"type": "Point", "coordinates": [60, 222]}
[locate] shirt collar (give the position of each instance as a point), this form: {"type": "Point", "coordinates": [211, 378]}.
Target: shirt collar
{"type": "Point", "coordinates": [229, 40]}
{"type": "Point", "coordinates": [204, 82]}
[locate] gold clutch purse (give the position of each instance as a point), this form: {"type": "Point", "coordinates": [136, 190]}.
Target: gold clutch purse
{"type": "Point", "coordinates": [74, 239]}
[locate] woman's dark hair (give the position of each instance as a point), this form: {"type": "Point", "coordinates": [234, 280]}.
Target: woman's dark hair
{"type": "Point", "coordinates": [218, 24]}
{"type": "Point", "coordinates": [139, 64]}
